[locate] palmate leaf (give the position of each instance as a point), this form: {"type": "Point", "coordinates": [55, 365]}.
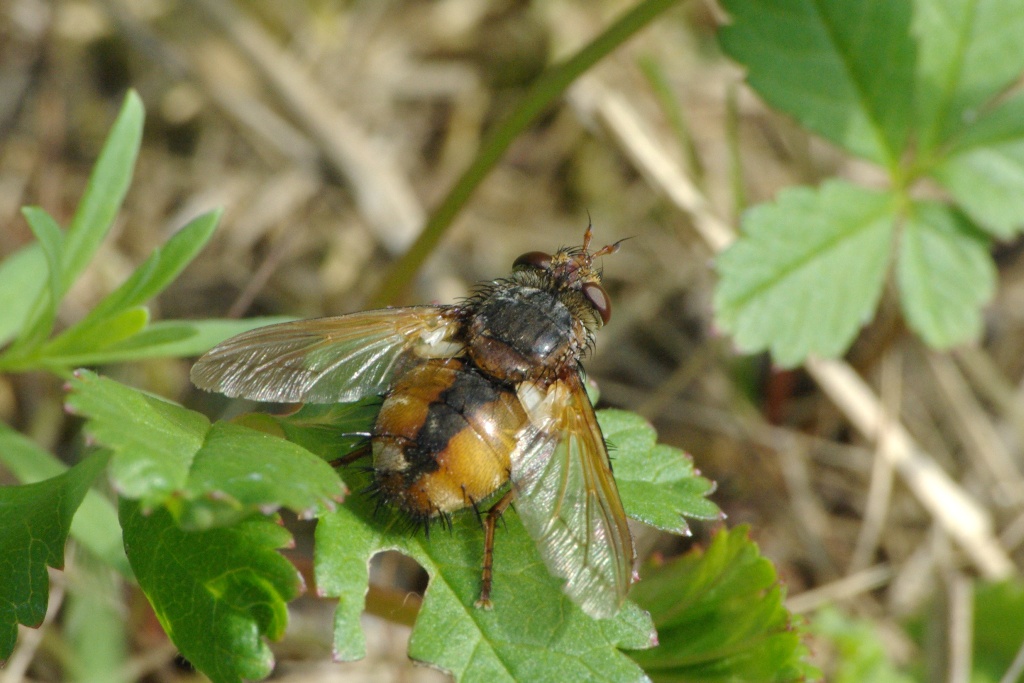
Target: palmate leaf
{"type": "Point", "coordinates": [207, 475]}
{"type": "Point", "coordinates": [807, 271]}
{"type": "Point", "coordinates": [535, 632]}
{"type": "Point", "coordinates": [216, 592]}
{"type": "Point", "coordinates": [34, 523]}
{"type": "Point", "coordinates": [842, 68]}
{"type": "Point", "coordinates": [720, 617]}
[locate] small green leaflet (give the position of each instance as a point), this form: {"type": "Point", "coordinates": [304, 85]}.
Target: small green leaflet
{"type": "Point", "coordinates": [842, 68]}
{"type": "Point", "coordinates": [985, 169]}
{"type": "Point", "coordinates": [207, 475]}
{"type": "Point", "coordinates": [968, 53]}
{"type": "Point", "coordinates": [720, 617]}
{"type": "Point", "coordinates": [807, 271]}
{"type": "Point", "coordinates": [945, 274]}
{"type": "Point", "coordinates": [34, 523]}
{"type": "Point", "coordinates": [216, 592]}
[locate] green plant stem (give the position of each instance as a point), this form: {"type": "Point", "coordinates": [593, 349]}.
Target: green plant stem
{"type": "Point", "coordinates": [541, 94]}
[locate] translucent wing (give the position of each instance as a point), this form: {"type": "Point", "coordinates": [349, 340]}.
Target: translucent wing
{"type": "Point", "coordinates": [567, 498]}
{"type": "Point", "coordinates": [327, 360]}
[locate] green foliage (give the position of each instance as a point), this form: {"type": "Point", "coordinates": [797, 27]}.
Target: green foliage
{"type": "Point", "coordinates": [998, 628]}
{"type": "Point", "coordinates": [36, 519]}
{"type": "Point", "coordinates": [206, 475]}
{"type": "Point", "coordinates": [215, 592]}
{"type": "Point", "coordinates": [916, 87]}
{"type": "Point", "coordinates": [859, 653]}
{"type": "Point", "coordinates": [720, 617]}
{"type": "Point", "coordinates": [118, 328]}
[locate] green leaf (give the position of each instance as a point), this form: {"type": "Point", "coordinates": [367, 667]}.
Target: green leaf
{"type": "Point", "coordinates": [95, 525]}
{"type": "Point", "coordinates": [985, 169]}
{"type": "Point", "coordinates": [842, 68]}
{"type": "Point", "coordinates": [945, 274]}
{"type": "Point", "coordinates": [51, 241]}
{"type": "Point", "coordinates": [657, 483]}
{"type": "Point", "coordinates": [162, 339]}
{"type": "Point", "coordinates": [968, 52]}
{"type": "Point", "coordinates": [35, 520]}
{"type": "Point", "coordinates": [217, 592]}
{"type": "Point", "coordinates": [998, 627]}
{"type": "Point", "coordinates": [20, 286]}
{"type": "Point", "coordinates": [860, 650]}
{"type": "Point", "coordinates": [534, 631]}
{"type": "Point", "coordinates": [158, 271]}
{"type": "Point", "coordinates": [206, 476]}
{"type": "Point", "coordinates": [107, 187]}
{"type": "Point", "coordinates": [806, 272]}
{"type": "Point", "coordinates": [720, 617]}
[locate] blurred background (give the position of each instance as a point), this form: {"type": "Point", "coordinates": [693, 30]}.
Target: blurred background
{"type": "Point", "coordinates": [328, 131]}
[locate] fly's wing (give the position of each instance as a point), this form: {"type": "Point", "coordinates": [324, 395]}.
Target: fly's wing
{"type": "Point", "coordinates": [327, 360]}
{"type": "Point", "coordinates": [567, 498]}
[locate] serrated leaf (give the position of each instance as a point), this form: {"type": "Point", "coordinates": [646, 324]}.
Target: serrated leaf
{"type": "Point", "coordinates": [945, 274]}
{"type": "Point", "coordinates": [20, 286]}
{"type": "Point", "coordinates": [95, 525]}
{"type": "Point", "coordinates": [658, 483]}
{"type": "Point", "coordinates": [217, 592]}
{"type": "Point", "coordinates": [807, 271]}
{"type": "Point", "coordinates": [968, 52]}
{"type": "Point", "coordinates": [720, 617]}
{"type": "Point", "coordinates": [206, 475]}
{"type": "Point", "coordinates": [842, 68]}
{"type": "Point", "coordinates": [534, 631]}
{"type": "Point", "coordinates": [985, 169]}
{"type": "Point", "coordinates": [34, 523]}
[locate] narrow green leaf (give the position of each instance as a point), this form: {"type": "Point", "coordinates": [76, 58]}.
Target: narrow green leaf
{"type": "Point", "coordinates": [945, 274]}
{"type": "Point", "coordinates": [998, 627]}
{"type": "Point", "coordinates": [157, 272]}
{"type": "Point", "coordinates": [20, 286]}
{"type": "Point", "coordinates": [657, 483]}
{"type": "Point", "coordinates": [842, 68]}
{"type": "Point", "coordinates": [720, 617]}
{"type": "Point", "coordinates": [164, 339]}
{"type": "Point", "coordinates": [206, 476]}
{"type": "Point", "coordinates": [968, 52]}
{"type": "Point", "coordinates": [34, 523]}
{"type": "Point", "coordinates": [806, 272]}
{"type": "Point", "coordinates": [51, 241]}
{"type": "Point", "coordinates": [217, 593]}
{"type": "Point", "coordinates": [95, 525]}
{"type": "Point", "coordinates": [534, 631]}
{"type": "Point", "coordinates": [107, 187]}
{"type": "Point", "coordinates": [985, 169]}
{"type": "Point", "coordinates": [98, 335]}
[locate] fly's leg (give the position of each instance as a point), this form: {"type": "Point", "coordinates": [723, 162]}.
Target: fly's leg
{"type": "Point", "coordinates": [346, 460]}
{"type": "Point", "coordinates": [487, 575]}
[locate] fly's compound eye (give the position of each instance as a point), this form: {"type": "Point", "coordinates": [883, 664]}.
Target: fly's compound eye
{"type": "Point", "coordinates": [598, 298]}
{"type": "Point", "coordinates": [533, 259]}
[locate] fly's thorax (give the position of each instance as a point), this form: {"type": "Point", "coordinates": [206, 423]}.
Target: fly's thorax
{"type": "Point", "coordinates": [444, 438]}
{"type": "Point", "coordinates": [526, 328]}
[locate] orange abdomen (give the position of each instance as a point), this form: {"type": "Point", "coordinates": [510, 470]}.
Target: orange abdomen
{"type": "Point", "coordinates": [444, 438]}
